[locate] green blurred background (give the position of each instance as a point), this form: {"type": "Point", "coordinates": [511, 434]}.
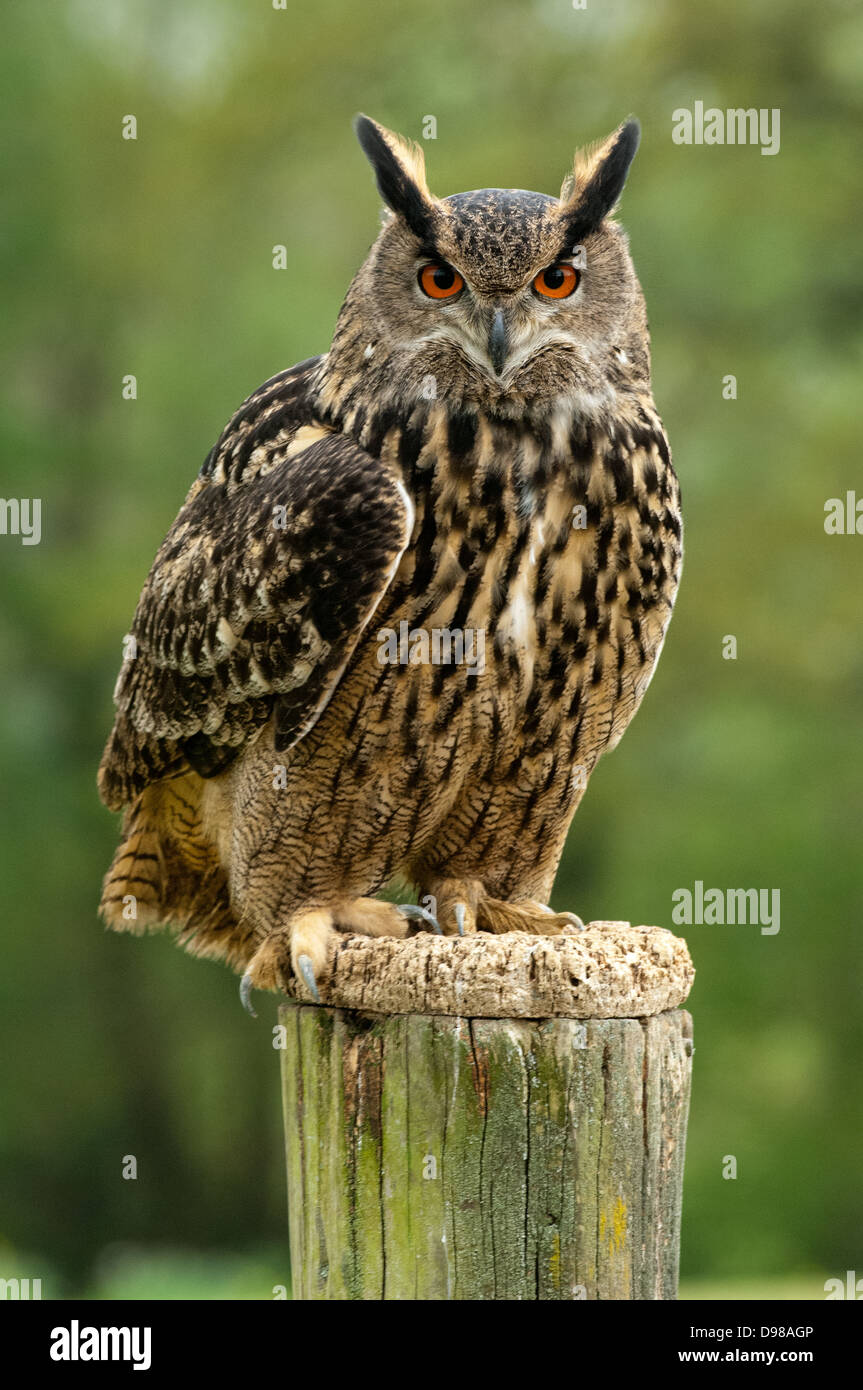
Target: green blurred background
{"type": "Point", "coordinates": [154, 257]}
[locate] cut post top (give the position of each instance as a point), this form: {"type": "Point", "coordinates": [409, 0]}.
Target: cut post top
{"type": "Point", "coordinates": [609, 970]}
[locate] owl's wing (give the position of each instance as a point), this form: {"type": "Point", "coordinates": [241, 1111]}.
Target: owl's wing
{"type": "Point", "coordinates": [647, 580]}
{"type": "Point", "coordinates": [254, 605]}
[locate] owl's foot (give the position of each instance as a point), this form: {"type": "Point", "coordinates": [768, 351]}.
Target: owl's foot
{"type": "Point", "coordinates": [373, 917]}
{"type": "Point", "coordinates": [463, 907]}
{"type": "Point", "coordinates": [309, 942]}
{"type": "Point", "coordinates": [456, 904]}
{"type": "Point", "coordinates": [494, 915]}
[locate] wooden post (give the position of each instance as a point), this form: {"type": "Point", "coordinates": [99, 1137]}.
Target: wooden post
{"type": "Point", "coordinates": [514, 1129]}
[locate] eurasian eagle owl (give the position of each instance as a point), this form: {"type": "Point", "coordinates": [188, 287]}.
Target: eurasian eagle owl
{"type": "Point", "coordinates": [418, 587]}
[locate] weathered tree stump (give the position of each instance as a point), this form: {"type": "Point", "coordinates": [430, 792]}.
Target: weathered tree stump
{"type": "Point", "coordinates": [490, 1118]}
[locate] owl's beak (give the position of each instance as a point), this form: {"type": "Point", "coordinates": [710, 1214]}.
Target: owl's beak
{"type": "Point", "coordinates": [498, 341]}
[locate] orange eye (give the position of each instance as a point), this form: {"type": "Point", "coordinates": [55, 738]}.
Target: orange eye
{"type": "Point", "coordinates": [440, 281]}
{"type": "Point", "coordinates": [556, 281]}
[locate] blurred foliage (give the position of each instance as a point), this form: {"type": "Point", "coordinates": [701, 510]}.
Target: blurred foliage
{"type": "Point", "coordinates": [153, 257]}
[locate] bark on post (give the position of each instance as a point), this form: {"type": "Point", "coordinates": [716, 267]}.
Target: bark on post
{"type": "Point", "coordinates": [490, 1118]}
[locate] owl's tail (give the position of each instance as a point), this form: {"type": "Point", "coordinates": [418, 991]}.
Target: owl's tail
{"type": "Point", "coordinates": [167, 873]}
{"type": "Point", "coordinates": [132, 890]}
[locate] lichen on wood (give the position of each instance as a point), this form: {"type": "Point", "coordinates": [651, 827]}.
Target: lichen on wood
{"type": "Point", "coordinates": [459, 1155]}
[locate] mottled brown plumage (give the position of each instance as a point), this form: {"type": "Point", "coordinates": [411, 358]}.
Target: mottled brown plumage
{"type": "Point", "coordinates": [491, 463]}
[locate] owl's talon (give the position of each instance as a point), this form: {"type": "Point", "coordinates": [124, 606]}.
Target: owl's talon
{"type": "Point", "coordinates": [246, 994]}
{"type": "Point", "coordinates": [526, 915]}
{"type": "Point", "coordinates": [307, 970]}
{"type": "Point", "coordinates": [572, 917]}
{"type": "Point", "coordinates": [420, 914]}
{"type": "Point", "coordinates": [459, 910]}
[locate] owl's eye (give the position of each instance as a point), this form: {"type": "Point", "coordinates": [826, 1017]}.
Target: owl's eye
{"type": "Point", "coordinates": [557, 281]}
{"type": "Point", "coordinates": [440, 281]}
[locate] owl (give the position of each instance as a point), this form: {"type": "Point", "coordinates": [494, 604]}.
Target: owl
{"type": "Point", "coordinates": [417, 589]}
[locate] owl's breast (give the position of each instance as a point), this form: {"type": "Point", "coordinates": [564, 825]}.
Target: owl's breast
{"type": "Point", "coordinates": [553, 566]}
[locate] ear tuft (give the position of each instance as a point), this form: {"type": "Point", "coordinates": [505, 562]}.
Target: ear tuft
{"type": "Point", "coordinates": [400, 172]}
{"type": "Point", "coordinates": [592, 190]}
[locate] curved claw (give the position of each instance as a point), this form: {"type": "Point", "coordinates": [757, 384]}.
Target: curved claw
{"type": "Point", "coordinates": [307, 971]}
{"type": "Point", "coordinates": [573, 920]}
{"type": "Point", "coordinates": [420, 914]}
{"type": "Point", "coordinates": [246, 994]}
{"type": "Point", "coordinates": [459, 911]}
{"type": "Point", "coordinates": [573, 917]}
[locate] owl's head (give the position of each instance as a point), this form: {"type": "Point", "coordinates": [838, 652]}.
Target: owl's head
{"type": "Point", "coordinates": [499, 296]}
